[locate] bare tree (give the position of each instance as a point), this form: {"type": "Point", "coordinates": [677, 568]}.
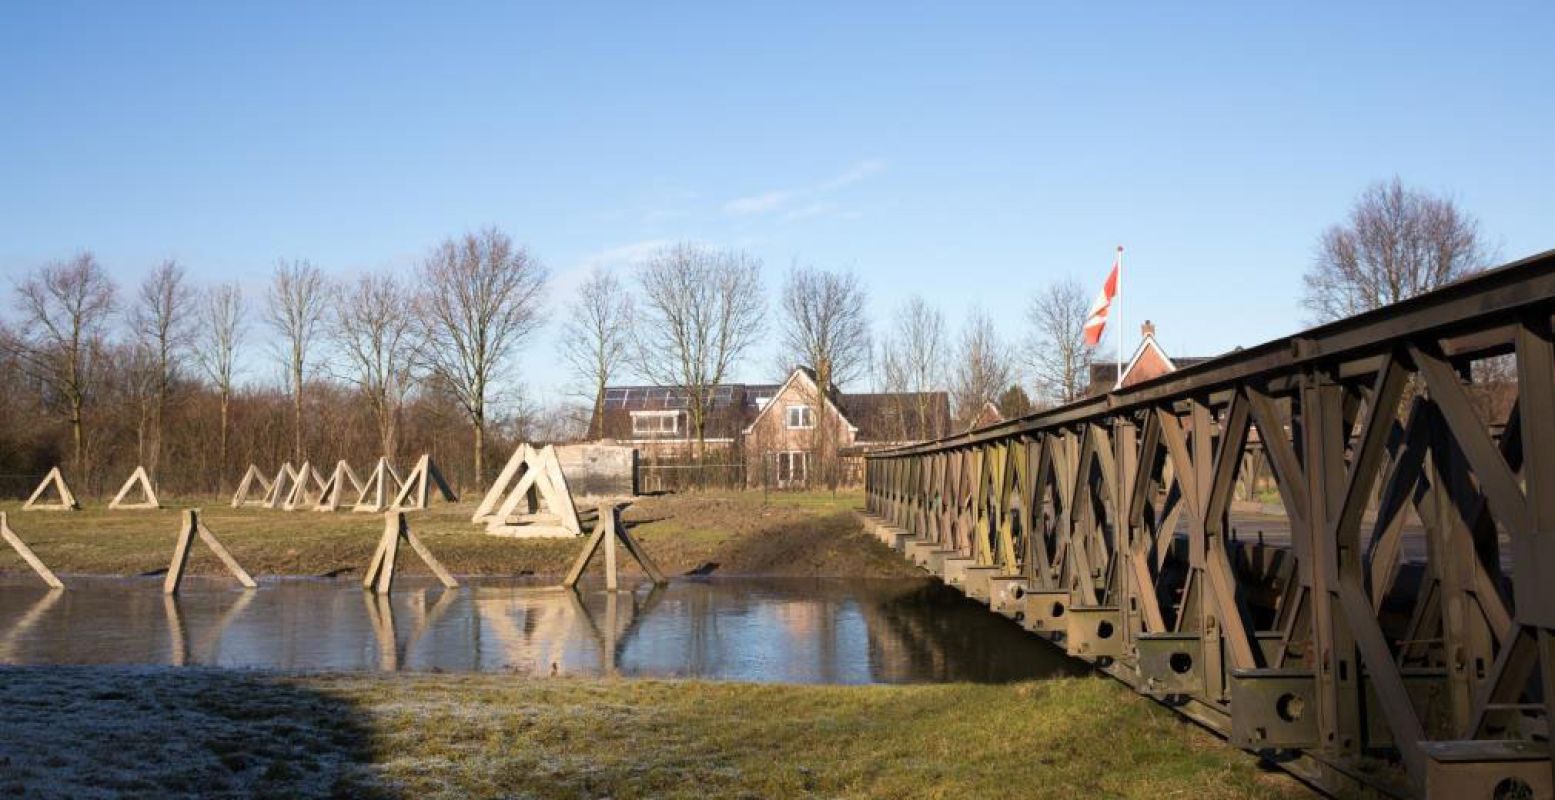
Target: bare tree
{"type": "Point", "coordinates": [135, 377]}
{"type": "Point", "coordinates": [825, 324]}
{"type": "Point", "coordinates": [163, 325]}
{"type": "Point", "coordinates": [65, 308]}
{"type": "Point", "coordinates": [1398, 242]}
{"type": "Point", "coordinates": [374, 329]}
{"type": "Point", "coordinates": [825, 327]}
{"type": "Point", "coordinates": [216, 346]}
{"type": "Point", "coordinates": [912, 362]}
{"type": "Point", "coordinates": [296, 307]}
{"type": "Point", "coordinates": [1055, 341]}
{"type": "Point", "coordinates": [596, 338]}
{"type": "Point", "coordinates": [703, 310]}
{"type": "Point", "coordinates": [983, 367]}
{"type": "Point", "coordinates": [481, 300]}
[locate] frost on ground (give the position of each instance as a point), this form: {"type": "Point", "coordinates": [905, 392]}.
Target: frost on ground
{"type": "Point", "coordinates": [96, 732]}
{"type": "Point", "coordinates": [91, 732]}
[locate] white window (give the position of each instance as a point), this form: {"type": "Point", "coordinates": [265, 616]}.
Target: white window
{"type": "Point", "coordinates": [793, 467]}
{"type": "Point", "coordinates": [655, 423]}
{"type": "Point", "coordinates": [800, 417]}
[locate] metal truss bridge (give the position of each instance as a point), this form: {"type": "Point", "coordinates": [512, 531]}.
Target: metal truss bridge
{"type": "Point", "coordinates": [1396, 631]}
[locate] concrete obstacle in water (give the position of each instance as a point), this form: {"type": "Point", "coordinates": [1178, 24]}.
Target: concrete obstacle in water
{"type": "Point", "coordinates": [380, 571]}
{"type": "Point", "coordinates": [187, 531]}
{"type": "Point", "coordinates": [27, 555]}
{"type": "Point", "coordinates": [607, 530]}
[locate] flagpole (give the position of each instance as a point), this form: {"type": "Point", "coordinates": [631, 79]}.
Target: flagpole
{"type": "Point", "coordinates": [1119, 300]}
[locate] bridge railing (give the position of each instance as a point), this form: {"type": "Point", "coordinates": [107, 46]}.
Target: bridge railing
{"type": "Point", "coordinates": [1395, 626]}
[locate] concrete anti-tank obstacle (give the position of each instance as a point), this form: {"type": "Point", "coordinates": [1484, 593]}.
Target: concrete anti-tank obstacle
{"type": "Point", "coordinates": [56, 480]}
{"type": "Point", "coordinates": [606, 531]}
{"type": "Point", "coordinates": [380, 571]}
{"type": "Point", "coordinates": [307, 489]}
{"type": "Point", "coordinates": [281, 487]}
{"type": "Point", "coordinates": [530, 479]}
{"type": "Point", "coordinates": [383, 485]}
{"type": "Point", "coordinates": [188, 529]}
{"type": "Point", "coordinates": [416, 492]}
{"type": "Point", "coordinates": [332, 497]}
{"type": "Point", "coordinates": [27, 555]}
{"type": "Point", "coordinates": [253, 480]}
{"type": "Point", "coordinates": [148, 492]}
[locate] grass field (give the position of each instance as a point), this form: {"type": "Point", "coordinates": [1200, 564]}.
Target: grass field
{"type": "Point", "coordinates": [158, 732]}
{"type": "Point", "coordinates": [98, 732]}
{"type": "Point", "coordinates": [743, 533]}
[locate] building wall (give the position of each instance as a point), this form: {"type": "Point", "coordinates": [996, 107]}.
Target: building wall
{"type": "Point", "coordinates": [599, 470]}
{"type": "Point", "coordinates": [770, 436]}
{"type": "Point", "coordinates": [1150, 365]}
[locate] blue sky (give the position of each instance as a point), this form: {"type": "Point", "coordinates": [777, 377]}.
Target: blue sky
{"type": "Point", "coordinates": [967, 152]}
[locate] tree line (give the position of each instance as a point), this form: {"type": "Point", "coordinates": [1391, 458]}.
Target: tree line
{"type": "Point", "coordinates": [103, 378]}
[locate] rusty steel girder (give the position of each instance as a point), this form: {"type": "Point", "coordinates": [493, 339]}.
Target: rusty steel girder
{"type": "Point", "coordinates": [1398, 626]}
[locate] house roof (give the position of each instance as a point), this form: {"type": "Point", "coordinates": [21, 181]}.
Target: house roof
{"type": "Point", "coordinates": [888, 416]}
{"type": "Point", "coordinates": [832, 397]}
{"type": "Point", "coordinates": [885, 416]}
{"type": "Point", "coordinates": [1104, 374]}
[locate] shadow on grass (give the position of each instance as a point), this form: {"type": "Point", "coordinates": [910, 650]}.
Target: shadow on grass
{"type": "Point", "coordinates": [160, 732]}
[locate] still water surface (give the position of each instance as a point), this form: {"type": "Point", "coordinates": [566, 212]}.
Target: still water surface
{"type": "Point", "coordinates": [784, 630]}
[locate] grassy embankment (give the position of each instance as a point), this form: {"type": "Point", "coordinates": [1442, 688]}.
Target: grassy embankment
{"type": "Point", "coordinates": [103, 732]}
{"type": "Point", "coordinates": [743, 533]}
{"type": "Point", "coordinates": [85, 732]}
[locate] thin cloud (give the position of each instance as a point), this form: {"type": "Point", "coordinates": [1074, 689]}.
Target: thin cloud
{"type": "Point", "coordinates": [809, 196]}
{"type": "Point", "coordinates": [811, 210]}
{"type": "Point", "coordinates": [566, 281]}
{"type": "Point", "coordinates": [758, 203]}
{"type": "Point", "coordinates": [623, 255]}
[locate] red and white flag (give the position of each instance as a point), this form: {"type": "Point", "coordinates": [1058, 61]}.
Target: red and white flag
{"type": "Point", "coordinates": [1096, 319]}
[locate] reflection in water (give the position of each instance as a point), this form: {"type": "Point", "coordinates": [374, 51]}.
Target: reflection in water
{"type": "Point", "coordinates": [789, 630]}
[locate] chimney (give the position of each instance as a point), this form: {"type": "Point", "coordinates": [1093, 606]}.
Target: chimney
{"type": "Point", "coordinates": [1147, 330]}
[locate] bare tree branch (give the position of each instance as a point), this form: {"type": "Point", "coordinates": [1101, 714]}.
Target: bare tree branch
{"type": "Point", "coordinates": [703, 309]}
{"type": "Point", "coordinates": [65, 308]}
{"type": "Point", "coordinates": [983, 367]}
{"type": "Point", "coordinates": [826, 328]}
{"type": "Point", "coordinates": [912, 363]}
{"type": "Point", "coordinates": [596, 338]}
{"type": "Point", "coordinates": [296, 306]}
{"type": "Point", "coordinates": [164, 328]}
{"type": "Point", "coordinates": [375, 330]}
{"type": "Point", "coordinates": [1398, 242]}
{"type": "Point", "coordinates": [216, 343]}
{"type": "Point", "coordinates": [1055, 341]}
{"type": "Point", "coordinates": [481, 299]}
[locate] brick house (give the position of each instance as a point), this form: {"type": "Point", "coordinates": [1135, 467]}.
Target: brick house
{"type": "Point", "coordinates": [1149, 361]}
{"type": "Point", "coordinates": [786, 435]}
{"type": "Point", "coordinates": [989, 414]}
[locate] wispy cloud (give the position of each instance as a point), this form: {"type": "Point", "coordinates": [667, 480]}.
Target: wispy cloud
{"type": "Point", "coordinates": [807, 198]}
{"type": "Point", "coordinates": [567, 280]}
{"type": "Point", "coordinates": [622, 255]}
{"type": "Point", "coordinates": [816, 209]}
{"type": "Point", "coordinates": [759, 203]}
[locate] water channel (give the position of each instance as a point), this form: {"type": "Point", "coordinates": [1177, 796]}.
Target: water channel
{"type": "Point", "coordinates": [771, 630]}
